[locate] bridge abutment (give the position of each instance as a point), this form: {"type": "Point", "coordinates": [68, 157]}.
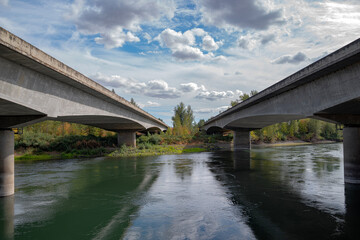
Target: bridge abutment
{"type": "Point", "coordinates": [352, 154]}
{"type": "Point", "coordinates": [126, 137]}
{"type": "Point", "coordinates": [241, 139]}
{"type": "Point", "coordinates": [6, 162]}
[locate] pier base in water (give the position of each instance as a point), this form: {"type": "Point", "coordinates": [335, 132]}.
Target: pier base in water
{"type": "Point", "coordinates": [352, 154]}
{"type": "Point", "coordinates": [6, 162]}
{"type": "Point", "coordinates": [241, 139]}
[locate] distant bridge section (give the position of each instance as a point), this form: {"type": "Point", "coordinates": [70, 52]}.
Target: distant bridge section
{"type": "Point", "coordinates": [328, 89]}
{"type": "Point", "coordinates": [35, 87]}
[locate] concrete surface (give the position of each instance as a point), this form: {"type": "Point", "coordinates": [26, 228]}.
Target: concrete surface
{"type": "Point", "coordinates": [6, 162]}
{"type": "Point", "coordinates": [35, 87]}
{"type": "Point", "coordinates": [328, 89]}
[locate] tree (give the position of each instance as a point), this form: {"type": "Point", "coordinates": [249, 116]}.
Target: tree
{"type": "Point", "coordinates": [243, 97]}
{"type": "Point", "coordinates": [183, 119]}
{"type": "Point", "coordinates": [201, 123]}
{"type": "Point", "coordinates": [132, 101]}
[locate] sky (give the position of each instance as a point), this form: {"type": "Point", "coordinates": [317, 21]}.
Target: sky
{"type": "Point", "coordinates": [204, 53]}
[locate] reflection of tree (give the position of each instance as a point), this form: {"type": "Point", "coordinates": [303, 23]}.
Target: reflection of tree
{"type": "Point", "coordinates": [101, 198]}
{"type": "Point", "coordinates": [183, 167]}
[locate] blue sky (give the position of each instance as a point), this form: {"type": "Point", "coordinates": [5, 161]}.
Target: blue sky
{"type": "Point", "coordinates": [204, 53]}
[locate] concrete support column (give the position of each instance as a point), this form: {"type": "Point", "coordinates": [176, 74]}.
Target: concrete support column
{"type": "Point", "coordinates": [241, 159]}
{"type": "Point", "coordinates": [127, 137]}
{"type": "Point", "coordinates": [6, 162]}
{"type": "Point", "coordinates": [352, 154]}
{"type": "Point", "coordinates": [241, 139]}
{"type": "Point", "coordinates": [7, 218]}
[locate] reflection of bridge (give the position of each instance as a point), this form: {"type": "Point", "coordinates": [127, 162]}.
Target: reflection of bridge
{"type": "Point", "coordinates": [328, 89]}
{"type": "Point", "coordinates": [36, 87]}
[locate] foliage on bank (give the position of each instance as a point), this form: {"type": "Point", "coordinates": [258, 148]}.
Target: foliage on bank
{"type": "Point", "coordinates": [308, 130]}
{"type": "Point", "coordinates": [153, 150]}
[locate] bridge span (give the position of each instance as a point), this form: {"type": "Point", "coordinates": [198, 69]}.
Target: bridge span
{"type": "Point", "coordinates": [35, 87]}
{"type": "Point", "coordinates": [328, 89]}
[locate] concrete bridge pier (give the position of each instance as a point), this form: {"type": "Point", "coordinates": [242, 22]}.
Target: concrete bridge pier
{"type": "Point", "coordinates": [127, 137]}
{"type": "Point", "coordinates": [241, 139]}
{"type": "Point", "coordinates": [6, 162]}
{"type": "Point", "coordinates": [241, 160]}
{"type": "Point", "coordinates": [352, 154]}
{"type": "Point", "coordinates": [7, 218]}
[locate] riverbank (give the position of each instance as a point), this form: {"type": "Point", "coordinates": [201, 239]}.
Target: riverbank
{"type": "Point", "coordinates": [124, 151]}
{"type": "Point", "coordinates": [149, 150]}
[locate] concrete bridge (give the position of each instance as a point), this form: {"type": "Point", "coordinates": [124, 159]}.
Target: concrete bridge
{"type": "Point", "coordinates": [35, 87]}
{"type": "Point", "coordinates": [328, 89]}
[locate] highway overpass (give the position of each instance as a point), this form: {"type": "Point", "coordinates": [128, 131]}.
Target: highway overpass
{"type": "Point", "coordinates": [35, 87]}
{"type": "Point", "coordinates": [328, 89]}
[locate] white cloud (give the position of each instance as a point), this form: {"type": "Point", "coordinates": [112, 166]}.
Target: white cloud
{"type": "Point", "coordinates": [147, 37]}
{"type": "Point", "coordinates": [191, 87]}
{"type": "Point", "coordinates": [116, 38]}
{"type": "Point", "coordinates": [105, 17]}
{"type": "Point", "coordinates": [214, 95]}
{"type": "Point", "coordinates": [295, 59]}
{"type": "Point", "coordinates": [149, 104]}
{"type": "Point", "coordinates": [183, 45]}
{"type": "Point", "coordinates": [4, 2]}
{"type": "Point", "coordinates": [211, 110]}
{"type": "Point", "coordinates": [209, 44]}
{"type": "Point", "coordinates": [153, 88]}
{"type": "Point", "coordinates": [239, 14]}
{"type": "Point", "coordinates": [188, 53]}
{"type": "Point", "coordinates": [174, 40]}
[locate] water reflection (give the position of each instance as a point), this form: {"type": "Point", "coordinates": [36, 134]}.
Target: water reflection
{"type": "Point", "coordinates": [352, 217]}
{"type": "Point", "coordinates": [266, 193]}
{"type": "Point", "coordinates": [79, 199]}
{"type": "Point", "coordinates": [7, 218]}
{"type": "Point", "coordinates": [241, 159]}
{"type": "Point", "coordinates": [286, 194]}
{"type": "Point", "coordinates": [186, 202]}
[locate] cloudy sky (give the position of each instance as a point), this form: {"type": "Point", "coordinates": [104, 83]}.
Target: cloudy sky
{"type": "Point", "coordinates": [202, 52]}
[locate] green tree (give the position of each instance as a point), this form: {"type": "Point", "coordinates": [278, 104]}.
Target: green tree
{"type": "Point", "coordinates": [183, 119]}
{"type": "Point", "coordinates": [201, 123]}
{"type": "Point", "coordinates": [243, 97]}
{"type": "Point", "coordinates": [294, 128]}
{"type": "Point", "coordinates": [132, 101]}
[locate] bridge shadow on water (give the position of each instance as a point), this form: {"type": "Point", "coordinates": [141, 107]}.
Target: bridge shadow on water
{"type": "Point", "coordinates": [279, 200]}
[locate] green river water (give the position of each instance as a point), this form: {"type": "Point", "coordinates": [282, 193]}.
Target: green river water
{"type": "Point", "coordinates": [293, 192]}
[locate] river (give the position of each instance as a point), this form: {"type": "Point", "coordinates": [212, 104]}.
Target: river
{"type": "Point", "coordinates": [295, 192]}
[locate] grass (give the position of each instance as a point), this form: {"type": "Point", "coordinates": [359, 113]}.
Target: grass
{"type": "Point", "coordinates": [153, 150]}
{"type": "Point", "coordinates": [124, 151]}
{"type": "Point", "coordinates": [34, 157]}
